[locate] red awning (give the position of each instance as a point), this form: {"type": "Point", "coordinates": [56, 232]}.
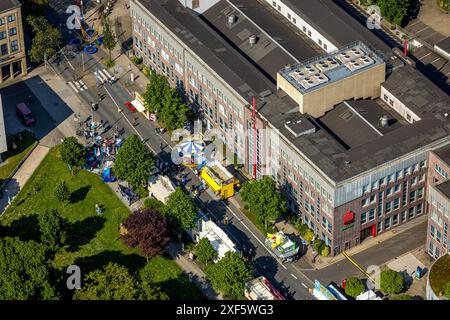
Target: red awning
{"type": "Point", "coordinates": [348, 217]}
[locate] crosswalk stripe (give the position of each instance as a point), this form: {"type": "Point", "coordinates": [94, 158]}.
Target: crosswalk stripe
{"type": "Point", "coordinates": [83, 85]}
{"type": "Point", "coordinates": [73, 86]}
{"type": "Point", "coordinates": [102, 77]}
{"type": "Point", "coordinates": [107, 73]}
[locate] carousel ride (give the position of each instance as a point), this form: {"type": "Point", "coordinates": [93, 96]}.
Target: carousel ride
{"type": "Point", "coordinates": [191, 151]}
{"type": "Point", "coordinates": [88, 39]}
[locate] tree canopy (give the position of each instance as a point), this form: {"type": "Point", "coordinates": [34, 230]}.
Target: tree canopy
{"type": "Point", "coordinates": [72, 152]}
{"type": "Point", "coordinates": [24, 272]}
{"type": "Point", "coordinates": [113, 282]}
{"type": "Point", "coordinates": [230, 274]}
{"type": "Point", "coordinates": [354, 287]}
{"type": "Point", "coordinates": [264, 199]}
{"type": "Point", "coordinates": [46, 40]}
{"type": "Point", "coordinates": [204, 251]}
{"type": "Point", "coordinates": [181, 210]}
{"type": "Point", "coordinates": [401, 297]}
{"type": "Point", "coordinates": [146, 230]}
{"type": "Point", "coordinates": [109, 41]}
{"type": "Point", "coordinates": [62, 192]}
{"type": "Point", "coordinates": [394, 10]}
{"type": "Point", "coordinates": [166, 102]}
{"type": "Point", "coordinates": [447, 290]}
{"type": "Point", "coordinates": [52, 227]}
{"type": "Point", "coordinates": [391, 282]}
{"type": "Point", "coordinates": [133, 162]}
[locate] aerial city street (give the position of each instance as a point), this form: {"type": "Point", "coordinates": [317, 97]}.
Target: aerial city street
{"type": "Point", "coordinates": [224, 150]}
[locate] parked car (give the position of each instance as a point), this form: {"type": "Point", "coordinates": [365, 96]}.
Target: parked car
{"type": "Point", "coordinates": [130, 106]}
{"type": "Point", "coordinates": [25, 114]}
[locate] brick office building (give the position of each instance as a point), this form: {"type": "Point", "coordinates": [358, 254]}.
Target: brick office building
{"type": "Point", "coordinates": [12, 46]}
{"type": "Point", "coordinates": [438, 198]}
{"type": "Point", "coordinates": [352, 170]}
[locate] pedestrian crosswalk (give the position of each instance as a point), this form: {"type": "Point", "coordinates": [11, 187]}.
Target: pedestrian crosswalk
{"type": "Point", "coordinates": [77, 86]}
{"type": "Point", "coordinates": [102, 75]}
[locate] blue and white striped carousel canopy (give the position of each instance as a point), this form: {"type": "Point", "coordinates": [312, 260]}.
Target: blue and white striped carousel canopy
{"type": "Point", "coordinates": [191, 146]}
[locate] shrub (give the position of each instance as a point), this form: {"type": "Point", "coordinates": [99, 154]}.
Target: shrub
{"type": "Point", "coordinates": [391, 282]}
{"type": "Point", "coordinates": [136, 60]}
{"type": "Point", "coordinates": [153, 203]}
{"type": "Point", "coordinates": [302, 229]}
{"type": "Point", "coordinates": [402, 297]}
{"type": "Point", "coordinates": [62, 192]}
{"type": "Point", "coordinates": [109, 63]}
{"type": "Point", "coordinates": [354, 287]}
{"type": "Point", "coordinates": [325, 251]}
{"type": "Point", "coordinates": [146, 71]}
{"type": "Point", "coordinates": [204, 251]}
{"type": "Point", "coordinates": [318, 245]}
{"type": "Point", "coordinates": [447, 290]}
{"type": "Point", "coordinates": [308, 235]}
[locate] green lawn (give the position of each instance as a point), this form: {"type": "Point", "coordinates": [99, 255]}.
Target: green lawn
{"type": "Point", "coordinates": [260, 225]}
{"type": "Point", "coordinates": [24, 142]}
{"type": "Point", "coordinates": [93, 240]}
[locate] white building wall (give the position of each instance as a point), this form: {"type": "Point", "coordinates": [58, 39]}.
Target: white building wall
{"type": "Point", "coordinates": [312, 33]}
{"type": "Point", "coordinates": [398, 106]}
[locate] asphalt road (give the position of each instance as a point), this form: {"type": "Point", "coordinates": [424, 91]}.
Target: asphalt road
{"type": "Point", "coordinates": [287, 278]}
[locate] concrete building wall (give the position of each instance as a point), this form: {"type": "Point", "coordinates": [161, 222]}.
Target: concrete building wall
{"type": "Point", "coordinates": [12, 46]}
{"type": "Point", "coordinates": [438, 208]}
{"type": "Point", "coordinates": [316, 102]}
{"type": "Point", "coordinates": [302, 25]}
{"type": "Point", "coordinates": [398, 106]}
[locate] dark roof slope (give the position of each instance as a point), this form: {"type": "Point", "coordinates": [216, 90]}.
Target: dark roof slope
{"type": "Point", "coordinates": [443, 153]}
{"type": "Point", "coordinates": [417, 92]}
{"type": "Point", "coordinates": [444, 187]}
{"type": "Point", "coordinates": [6, 5]}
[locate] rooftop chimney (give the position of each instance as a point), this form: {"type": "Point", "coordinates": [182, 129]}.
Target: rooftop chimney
{"type": "Point", "coordinates": [384, 121]}
{"type": "Point", "coordinates": [252, 40]}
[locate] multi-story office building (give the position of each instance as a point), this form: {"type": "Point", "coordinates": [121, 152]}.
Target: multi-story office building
{"type": "Point", "coordinates": [438, 198]}
{"type": "Point", "coordinates": [12, 46]}
{"type": "Point", "coordinates": [351, 165]}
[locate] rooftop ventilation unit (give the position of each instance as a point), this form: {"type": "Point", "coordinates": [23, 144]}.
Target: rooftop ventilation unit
{"type": "Point", "coordinates": [313, 80]}
{"type": "Point", "coordinates": [252, 40]}
{"type": "Point", "coordinates": [384, 121]}
{"type": "Point", "coordinates": [359, 63]}
{"type": "Point", "coordinates": [231, 19]}
{"type": "Point", "coordinates": [300, 127]}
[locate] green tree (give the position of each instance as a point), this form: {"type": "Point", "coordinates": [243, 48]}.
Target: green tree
{"type": "Point", "coordinates": [24, 271]}
{"type": "Point", "coordinates": [174, 113]}
{"type": "Point", "coordinates": [154, 92]}
{"type": "Point", "coordinates": [230, 274]}
{"type": "Point", "coordinates": [309, 235]}
{"type": "Point", "coordinates": [52, 226]}
{"type": "Point", "coordinates": [46, 40]}
{"type": "Point", "coordinates": [401, 297]}
{"type": "Point", "coordinates": [204, 251]}
{"type": "Point", "coordinates": [447, 290]}
{"type": "Point", "coordinates": [62, 192]}
{"type": "Point", "coordinates": [181, 210]}
{"type": "Point", "coordinates": [113, 282]}
{"type": "Point", "coordinates": [109, 41]}
{"type": "Point", "coordinates": [354, 287]}
{"type": "Point", "coordinates": [72, 152]}
{"type": "Point", "coordinates": [133, 162]}
{"type": "Point", "coordinates": [391, 282]}
{"type": "Point", "coordinates": [34, 7]}
{"type": "Point", "coordinates": [264, 199]}
{"type": "Point", "coordinates": [394, 10]}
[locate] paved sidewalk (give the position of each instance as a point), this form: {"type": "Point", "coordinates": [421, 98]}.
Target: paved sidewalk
{"type": "Point", "coordinates": [13, 187]}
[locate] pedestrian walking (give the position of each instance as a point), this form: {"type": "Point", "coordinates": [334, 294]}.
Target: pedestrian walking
{"type": "Point", "coordinates": [98, 209]}
{"type": "Point", "coordinates": [135, 121]}
{"type": "Point", "coordinates": [161, 146]}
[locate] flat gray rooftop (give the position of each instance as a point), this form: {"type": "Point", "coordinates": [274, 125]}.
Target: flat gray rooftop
{"type": "Point", "coordinates": [416, 91]}
{"type": "Point", "coordinates": [335, 24]}
{"type": "Point", "coordinates": [444, 44]}
{"type": "Point", "coordinates": [265, 53]}
{"type": "Point", "coordinates": [444, 187]}
{"type": "Point", "coordinates": [322, 147]}
{"type": "Point", "coordinates": [443, 153]}
{"type": "Point", "coordinates": [6, 5]}
{"type": "Point", "coordinates": [278, 28]}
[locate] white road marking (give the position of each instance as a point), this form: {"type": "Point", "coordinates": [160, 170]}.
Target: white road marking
{"type": "Point", "coordinates": [425, 55]}
{"type": "Point", "coordinates": [294, 276]}
{"type": "Point", "coordinates": [107, 73]}
{"type": "Point", "coordinates": [435, 60]}
{"type": "Point", "coordinates": [73, 86]}
{"type": "Point", "coordinates": [304, 285]}
{"type": "Point", "coordinates": [83, 85]}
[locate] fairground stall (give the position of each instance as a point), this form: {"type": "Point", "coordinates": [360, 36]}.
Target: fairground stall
{"type": "Point", "coordinates": [219, 179]}
{"type": "Point", "coordinates": [261, 289]}
{"type": "Point", "coordinates": [283, 247]}
{"type": "Point", "coordinates": [160, 187]}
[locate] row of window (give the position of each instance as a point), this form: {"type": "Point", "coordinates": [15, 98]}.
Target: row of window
{"type": "Point", "coordinates": [12, 32]}
{"type": "Point", "coordinates": [294, 21]}
{"type": "Point", "coordinates": [439, 206]}
{"type": "Point", "coordinates": [396, 176]}
{"type": "Point", "coordinates": [10, 18]}
{"type": "Point", "coordinates": [391, 103]}
{"type": "Point", "coordinates": [441, 171]}
{"type": "Point", "coordinates": [4, 47]}
{"type": "Point", "coordinates": [438, 236]}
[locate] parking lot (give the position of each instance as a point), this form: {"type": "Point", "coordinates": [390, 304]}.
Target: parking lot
{"type": "Point", "coordinates": [15, 94]}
